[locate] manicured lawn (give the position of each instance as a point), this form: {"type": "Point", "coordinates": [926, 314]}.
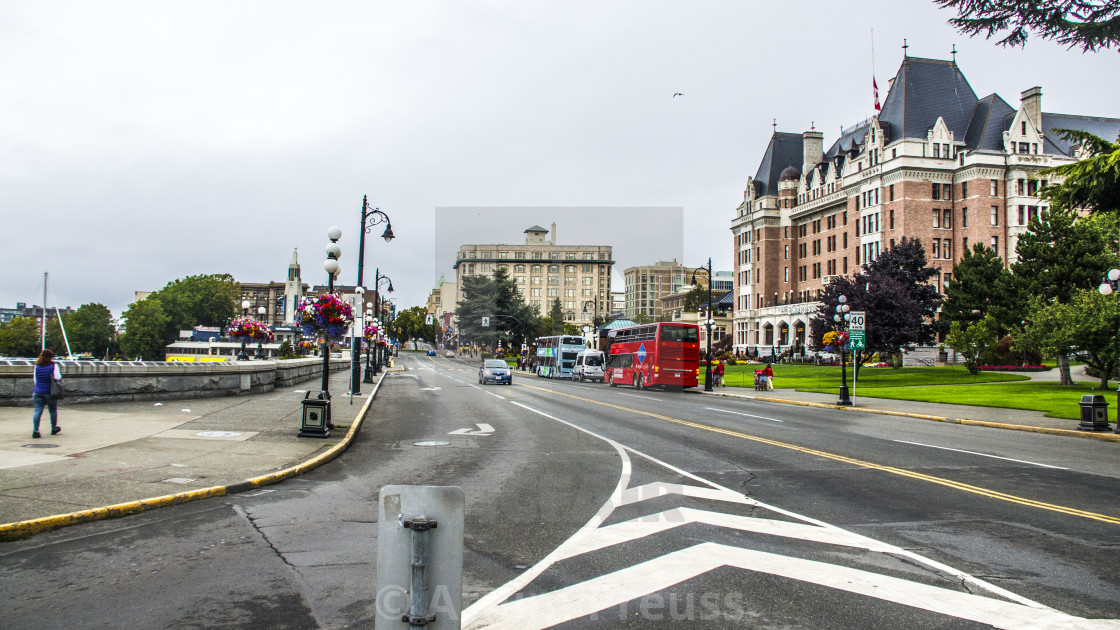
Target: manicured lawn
{"type": "Point", "coordinates": [815, 377]}
{"type": "Point", "coordinates": [1053, 399]}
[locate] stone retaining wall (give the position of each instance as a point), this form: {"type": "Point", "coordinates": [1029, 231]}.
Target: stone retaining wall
{"type": "Point", "coordinates": [113, 381]}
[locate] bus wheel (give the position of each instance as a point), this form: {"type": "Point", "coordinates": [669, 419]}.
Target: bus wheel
{"type": "Point", "coordinates": [637, 381]}
{"type": "Point", "coordinates": [610, 381]}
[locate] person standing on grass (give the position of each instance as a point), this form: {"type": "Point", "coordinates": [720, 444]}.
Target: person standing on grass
{"type": "Point", "coordinates": [46, 371]}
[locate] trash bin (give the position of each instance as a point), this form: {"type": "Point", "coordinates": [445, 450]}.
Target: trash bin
{"type": "Point", "coordinates": [1094, 413]}
{"type": "Point", "coordinates": [316, 416]}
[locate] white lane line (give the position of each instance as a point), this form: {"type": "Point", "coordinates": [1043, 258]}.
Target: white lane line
{"type": "Point", "coordinates": [946, 448]}
{"type": "Point", "coordinates": [652, 576]}
{"type": "Point", "coordinates": [739, 413]}
{"type": "Point", "coordinates": [496, 396]}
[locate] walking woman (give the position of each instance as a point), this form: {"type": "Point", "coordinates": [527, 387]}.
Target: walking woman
{"type": "Point", "coordinates": [46, 372]}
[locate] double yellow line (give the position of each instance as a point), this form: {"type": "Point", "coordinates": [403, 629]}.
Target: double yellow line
{"type": "Point", "coordinates": [941, 481]}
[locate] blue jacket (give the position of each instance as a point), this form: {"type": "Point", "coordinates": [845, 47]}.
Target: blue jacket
{"type": "Point", "coordinates": [43, 376]}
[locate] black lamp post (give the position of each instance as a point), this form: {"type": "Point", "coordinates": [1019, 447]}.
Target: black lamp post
{"type": "Point", "coordinates": [1111, 284]}
{"type": "Point", "coordinates": [370, 218]}
{"type": "Point", "coordinates": [378, 359]}
{"type": "Point", "coordinates": [261, 311]}
{"type": "Point", "coordinates": [841, 319]}
{"type": "Point", "coordinates": [594, 318]}
{"type": "Point", "coordinates": [334, 252]}
{"type": "Point", "coordinates": [243, 356]}
{"type": "Point", "coordinates": [708, 325]}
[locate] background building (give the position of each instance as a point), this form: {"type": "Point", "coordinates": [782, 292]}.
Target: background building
{"type": "Point", "coordinates": [647, 284]}
{"type": "Point", "coordinates": [23, 310]}
{"type": "Point", "coordinates": [578, 275]}
{"type": "Point", "coordinates": [937, 163]}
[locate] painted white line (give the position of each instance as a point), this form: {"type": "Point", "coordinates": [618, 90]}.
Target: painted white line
{"type": "Point", "coordinates": [585, 598]}
{"type": "Point", "coordinates": [496, 396]}
{"type": "Point", "coordinates": [946, 448]}
{"type": "Point", "coordinates": [749, 415]}
{"type": "Point", "coordinates": [472, 385]}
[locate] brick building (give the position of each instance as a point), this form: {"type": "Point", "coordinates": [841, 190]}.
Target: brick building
{"type": "Point", "coordinates": [937, 163]}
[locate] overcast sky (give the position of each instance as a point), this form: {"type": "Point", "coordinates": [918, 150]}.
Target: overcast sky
{"type": "Point", "coordinates": [146, 141]}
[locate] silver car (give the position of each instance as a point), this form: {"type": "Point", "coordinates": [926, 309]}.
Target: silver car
{"type": "Point", "coordinates": [495, 371]}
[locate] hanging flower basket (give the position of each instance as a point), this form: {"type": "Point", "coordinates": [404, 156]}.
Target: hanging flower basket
{"type": "Point", "coordinates": [247, 329]}
{"type": "Point", "coordinates": [834, 341]}
{"type": "Point", "coordinates": [324, 316]}
{"type": "Point", "coordinates": [371, 331]}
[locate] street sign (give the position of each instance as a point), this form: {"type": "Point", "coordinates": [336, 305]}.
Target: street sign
{"type": "Point", "coordinates": [857, 320]}
{"type": "Point", "coordinates": [485, 322]}
{"type": "Point", "coordinates": [857, 341]}
{"type": "Point", "coordinates": [429, 320]}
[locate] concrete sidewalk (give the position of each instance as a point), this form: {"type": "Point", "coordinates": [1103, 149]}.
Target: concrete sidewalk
{"type": "Point", "coordinates": [137, 455]}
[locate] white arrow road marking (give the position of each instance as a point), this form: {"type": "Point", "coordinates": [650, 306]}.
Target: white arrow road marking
{"type": "Point", "coordinates": [1012, 611]}
{"type": "Point", "coordinates": [430, 389]}
{"type": "Point", "coordinates": [483, 429]}
{"type": "Point", "coordinates": [749, 415]}
{"type": "Point", "coordinates": [613, 589]}
{"type": "Point", "coordinates": [946, 448]}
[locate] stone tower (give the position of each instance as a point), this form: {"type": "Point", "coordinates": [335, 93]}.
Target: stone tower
{"type": "Point", "coordinates": [293, 289]}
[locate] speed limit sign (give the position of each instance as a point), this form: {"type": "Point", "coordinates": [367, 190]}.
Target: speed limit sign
{"type": "Point", "coordinates": [857, 320]}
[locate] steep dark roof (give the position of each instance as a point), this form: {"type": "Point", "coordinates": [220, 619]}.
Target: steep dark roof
{"type": "Point", "coordinates": [784, 149]}
{"type": "Point", "coordinates": [849, 140]}
{"type": "Point", "coordinates": [923, 90]}
{"type": "Point", "coordinates": [989, 121]}
{"type": "Point", "coordinates": [1106, 128]}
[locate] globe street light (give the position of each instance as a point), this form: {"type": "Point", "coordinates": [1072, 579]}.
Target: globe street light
{"type": "Point", "coordinates": [243, 356]}
{"type": "Point", "coordinates": [261, 312]}
{"type": "Point", "coordinates": [1109, 286]}
{"type": "Point", "coordinates": [334, 252]}
{"type": "Point", "coordinates": [841, 318]}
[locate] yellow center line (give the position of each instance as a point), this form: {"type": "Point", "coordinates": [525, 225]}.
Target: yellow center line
{"type": "Point", "coordinates": [941, 481]}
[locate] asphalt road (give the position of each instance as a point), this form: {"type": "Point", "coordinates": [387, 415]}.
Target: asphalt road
{"type": "Point", "coordinates": [597, 507]}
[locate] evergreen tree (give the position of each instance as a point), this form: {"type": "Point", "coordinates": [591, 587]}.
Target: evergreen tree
{"type": "Point", "coordinates": [557, 317]}
{"type": "Point", "coordinates": [981, 286]}
{"type": "Point", "coordinates": [1090, 24]}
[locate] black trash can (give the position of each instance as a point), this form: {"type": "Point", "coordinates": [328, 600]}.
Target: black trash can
{"type": "Point", "coordinates": [316, 417]}
{"type": "Point", "coordinates": [1094, 413]}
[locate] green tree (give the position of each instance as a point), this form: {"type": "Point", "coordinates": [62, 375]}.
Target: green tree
{"type": "Point", "coordinates": [20, 337]}
{"type": "Point", "coordinates": [90, 329]}
{"type": "Point", "coordinates": [557, 316]}
{"type": "Point", "coordinates": [696, 299]}
{"type": "Point", "coordinates": [145, 330]}
{"type": "Point", "coordinates": [1061, 253]}
{"type": "Point", "coordinates": [205, 300]}
{"type": "Point", "coordinates": [1091, 184]}
{"type": "Point", "coordinates": [1090, 24]}
{"type": "Point", "coordinates": [973, 340]}
{"type": "Point", "coordinates": [981, 286]}
{"type": "Point", "coordinates": [1087, 325]}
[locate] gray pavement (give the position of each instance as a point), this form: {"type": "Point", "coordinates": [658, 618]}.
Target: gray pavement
{"type": "Point", "coordinates": [114, 453]}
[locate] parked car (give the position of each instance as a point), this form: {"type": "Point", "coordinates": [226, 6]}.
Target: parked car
{"type": "Point", "coordinates": [589, 366]}
{"type": "Point", "coordinates": [495, 371]}
{"type": "Point", "coordinates": [431, 352]}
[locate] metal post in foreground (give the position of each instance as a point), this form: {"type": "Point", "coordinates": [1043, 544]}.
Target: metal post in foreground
{"type": "Point", "coordinates": [419, 566]}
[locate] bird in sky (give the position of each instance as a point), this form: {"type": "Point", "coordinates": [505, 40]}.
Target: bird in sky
{"type": "Point", "coordinates": [676, 94]}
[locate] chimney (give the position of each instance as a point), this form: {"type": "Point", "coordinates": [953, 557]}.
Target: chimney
{"type": "Point", "coordinates": [553, 233]}
{"type": "Point", "coordinates": [1032, 103]}
{"type": "Point", "coordinates": [890, 84]}
{"type": "Point", "coordinates": [813, 148]}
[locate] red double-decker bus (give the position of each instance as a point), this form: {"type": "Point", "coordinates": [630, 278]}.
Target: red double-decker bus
{"type": "Point", "coordinates": [663, 354]}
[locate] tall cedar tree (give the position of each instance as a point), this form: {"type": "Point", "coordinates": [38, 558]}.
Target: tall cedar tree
{"type": "Point", "coordinates": [1090, 24]}
{"type": "Point", "coordinates": [982, 286]}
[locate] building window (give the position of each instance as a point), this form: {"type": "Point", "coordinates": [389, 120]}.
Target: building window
{"type": "Point", "coordinates": [937, 192]}
{"type": "Point", "coordinates": [965, 243]}
{"type": "Point", "coordinates": [787, 252]}
{"type": "Point", "coordinates": [947, 249]}
{"type": "Point", "coordinates": [964, 190]}
{"type": "Point", "coordinates": [936, 218]}
{"type": "Point", "coordinates": [964, 217]}
{"type": "Point", "coordinates": [995, 244]}
{"type": "Point", "coordinates": [519, 268]}
{"type": "Point", "coordinates": [936, 248]}
{"type": "Point", "coordinates": [1023, 148]}
{"type": "Point", "coordinates": [787, 274]}
{"type": "Point", "coordinates": [947, 219]}
{"type": "Point", "coordinates": [946, 191]}
{"type": "Point", "coordinates": [994, 192]}
{"type": "Point", "coordinates": [1022, 215]}
{"type": "Point", "coordinates": [995, 216]}
{"type": "Point", "coordinates": [519, 255]}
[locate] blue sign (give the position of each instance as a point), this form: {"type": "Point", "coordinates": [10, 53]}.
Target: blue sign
{"type": "Point", "coordinates": [642, 353]}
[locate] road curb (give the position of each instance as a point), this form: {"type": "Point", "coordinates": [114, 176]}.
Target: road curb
{"type": "Point", "coordinates": [24, 529]}
{"type": "Point", "coordinates": [1088, 435]}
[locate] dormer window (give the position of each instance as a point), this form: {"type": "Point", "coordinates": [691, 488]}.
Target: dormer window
{"type": "Point", "coordinates": [1024, 123]}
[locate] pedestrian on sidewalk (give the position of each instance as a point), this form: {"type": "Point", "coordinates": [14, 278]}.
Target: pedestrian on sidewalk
{"type": "Point", "coordinates": [719, 374]}
{"type": "Point", "coordinates": [46, 373]}
{"type": "Point", "coordinates": [768, 372]}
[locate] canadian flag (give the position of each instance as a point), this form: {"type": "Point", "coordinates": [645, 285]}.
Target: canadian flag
{"type": "Point", "coordinates": [875, 91]}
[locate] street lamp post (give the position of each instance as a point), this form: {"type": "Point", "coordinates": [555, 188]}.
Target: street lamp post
{"type": "Point", "coordinates": [334, 252]}
{"type": "Point", "coordinates": [261, 312]}
{"type": "Point", "coordinates": [708, 325]}
{"type": "Point", "coordinates": [370, 218]}
{"type": "Point", "coordinates": [594, 318]}
{"type": "Point", "coordinates": [369, 351]}
{"type": "Point", "coordinates": [243, 356]}
{"type": "Point", "coordinates": [378, 279]}
{"type": "Point", "coordinates": [841, 319]}
{"type": "Point", "coordinates": [1110, 285]}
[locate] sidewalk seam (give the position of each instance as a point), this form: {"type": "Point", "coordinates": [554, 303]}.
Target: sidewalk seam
{"type": "Point", "coordinates": [1088, 435]}
{"type": "Point", "coordinates": [30, 527]}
